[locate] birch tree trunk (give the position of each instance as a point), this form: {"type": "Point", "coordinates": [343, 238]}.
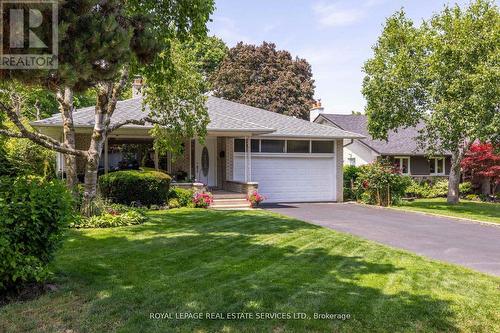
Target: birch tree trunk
{"type": "Point", "coordinates": [107, 96]}
{"type": "Point", "coordinates": [99, 133]}
{"type": "Point", "coordinates": [65, 99]}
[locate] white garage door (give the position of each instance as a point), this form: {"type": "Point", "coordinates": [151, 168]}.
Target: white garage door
{"type": "Point", "coordinates": [291, 179]}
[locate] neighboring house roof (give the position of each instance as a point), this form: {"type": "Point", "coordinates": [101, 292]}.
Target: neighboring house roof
{"type": "Point", "coordinates": [225, 116]}
{"type": "Point", "coordinates": [400, 142]}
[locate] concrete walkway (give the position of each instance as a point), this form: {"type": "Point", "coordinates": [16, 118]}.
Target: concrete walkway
{"type": "Point", "coordinates": [469, 244]}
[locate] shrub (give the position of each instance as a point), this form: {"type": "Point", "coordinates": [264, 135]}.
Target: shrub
{"type": "Point", "coordinates": [202, 200]}
{"type": "Point", "coordinates": [183, 196]}
{"type": "Point", "coordinates": [350, 177]}
{"type": "Point", "coordinates": [380, 183]}
{"type": "Point", "coordinates": [33, 215]}
{"type": "Point", "coordinates": [135, 186]}
{"type": "Point", "coordinates": [173, 203]}
{"type": "Point", "coordinates": [418, 189]}
{"type": "Point", "coordinates": [439, 189]}
{"type": "Point", "coordinates": [465, 188]}
{"type": "Point", "coordinates": [109, 220]}
{"type": "Point", "coordinates": [28, 158]}
{"type": "Point", "coordinates": [472, 197]}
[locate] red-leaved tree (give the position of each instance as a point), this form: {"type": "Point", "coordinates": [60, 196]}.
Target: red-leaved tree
{"type": "Point", "coordinates": [482, 161]}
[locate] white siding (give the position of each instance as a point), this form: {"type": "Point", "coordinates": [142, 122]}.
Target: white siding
{"type": "Point", "coordinates": [362, 154]}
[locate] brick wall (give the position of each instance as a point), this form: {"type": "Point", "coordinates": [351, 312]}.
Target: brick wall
{"type": "Point", "coordinates": [241, 187]}
{"type": "Point", "coordinates": [182, 163]}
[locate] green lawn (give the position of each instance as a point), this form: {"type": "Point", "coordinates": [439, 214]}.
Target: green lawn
{"type": "Point", "coordinates": [254, 262]}
{"type": "Point", "coordinates": [482, 211]}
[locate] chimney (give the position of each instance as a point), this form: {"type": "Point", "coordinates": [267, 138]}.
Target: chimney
{"type": "Point", "coordinates": [137, 87]}
{"type": "Point", "coordinates": [316, 110]}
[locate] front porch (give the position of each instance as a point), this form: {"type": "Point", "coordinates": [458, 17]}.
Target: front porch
{"type": "Point", "coordinates": [202, 165]}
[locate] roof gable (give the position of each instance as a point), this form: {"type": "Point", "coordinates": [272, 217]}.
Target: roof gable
{"type": "Point", "coordinates": [403, 141]}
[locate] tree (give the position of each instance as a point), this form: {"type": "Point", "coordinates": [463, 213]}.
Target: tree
{"type": "Point", "coordinates": [445, 74]}
{"type": "Point", "coordinates": [267, 78]}
{"type": "Point", "coordinates": [483, 161]}
{"type": "Point", "coordinates": [208, 53]}
{"type": "Point", "coordinates": [138, 40]}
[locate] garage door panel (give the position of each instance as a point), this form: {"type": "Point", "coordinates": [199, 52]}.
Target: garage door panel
{"type": "Point", "coordinates": [284, 179]}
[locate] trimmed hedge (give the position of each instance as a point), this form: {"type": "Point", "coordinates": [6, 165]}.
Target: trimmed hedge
{"type": "Point", "coordinates": [144, 187]}
{"type": "Point", "coordinates": [33, 215]}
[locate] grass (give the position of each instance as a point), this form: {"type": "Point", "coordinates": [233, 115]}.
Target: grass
{"type": "Point", "coordinates": [191, 261]}
{"type": "Point", "coordinates": [482, 211]}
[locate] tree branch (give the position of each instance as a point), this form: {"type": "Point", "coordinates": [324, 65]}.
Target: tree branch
{"type": "Point", "coordinates": [140, 122]}
{"type": "Point", "coordinates": [11, 134]}
{"type": "Point", "coordinates": [117, 89]}
{"type": "Point", "coordinates": [38, 138]}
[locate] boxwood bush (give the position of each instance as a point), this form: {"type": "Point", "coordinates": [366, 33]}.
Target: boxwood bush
{"type": "Point", "coordinates": [144, 187]}
{"type": "Point", "coordinates": [33, 215]}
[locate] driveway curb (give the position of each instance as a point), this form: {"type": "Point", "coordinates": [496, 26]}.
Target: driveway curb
{"type": "Point", "coordinates": [463, 219]}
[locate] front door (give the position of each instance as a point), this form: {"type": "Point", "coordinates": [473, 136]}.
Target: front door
{"type": "Point", "coordinates": [206, 161]}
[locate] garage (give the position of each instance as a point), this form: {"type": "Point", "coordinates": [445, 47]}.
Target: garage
{"type": "Point", "coordinates": [286, 176]}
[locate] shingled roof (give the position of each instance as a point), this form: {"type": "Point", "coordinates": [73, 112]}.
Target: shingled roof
{"type": "Point", "coordinates": [400, 142]}
{"type": "Point", "coordinates": [224, 116]}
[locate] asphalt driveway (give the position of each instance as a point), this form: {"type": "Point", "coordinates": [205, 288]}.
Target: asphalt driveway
{"type": "Point", "coordinates": [473, 245]}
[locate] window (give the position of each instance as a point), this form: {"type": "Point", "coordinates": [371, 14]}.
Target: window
{"type": "Point", "coordinates": [272, 146]}
{"type": "Point", "coordinates": [292, 146]}
{"type": "Point", "coordinates": [297, 146]}
{"type": "Point", "coordinates": [436, 166]}
{"type": "Point", "coordinates": [403, 164]}
{"type": "Point", "coordinates": [351, 160]}
{"type": "Point", "coordinates": [255, 146]}
{"type": "Point", "coordinates": [322, 147]}
{"type": "Point", "coordinates": [239, 145]}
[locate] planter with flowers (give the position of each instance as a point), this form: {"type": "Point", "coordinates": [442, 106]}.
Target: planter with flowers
{"type": "Point", "coordinates": [255, 198]}
{"type": "Point", "coordinates": [202, 200]}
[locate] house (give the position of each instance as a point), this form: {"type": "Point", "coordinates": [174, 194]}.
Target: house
{"type": "Point", "coordinates": [287, 159]}
{"type": "Point", "coordinates": [400, 147]}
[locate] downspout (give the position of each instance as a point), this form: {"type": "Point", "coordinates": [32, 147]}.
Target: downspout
{"type": "Point", "coordinates": [350, 143]}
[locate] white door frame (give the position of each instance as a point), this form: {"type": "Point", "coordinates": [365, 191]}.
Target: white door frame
{"type": "Point", "coordinates": [211, 178]}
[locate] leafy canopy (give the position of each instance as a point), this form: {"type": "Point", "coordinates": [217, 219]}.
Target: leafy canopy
{"type": "Point", "coordinates": [267, 78]}
{"type": "Point", "coordinates": [483, 160]}
{"type": "Point", "coordinates": [445, 73]}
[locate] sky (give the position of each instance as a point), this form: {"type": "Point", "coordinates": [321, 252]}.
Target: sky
{"type": "Point", "coordinates": [335, 37]}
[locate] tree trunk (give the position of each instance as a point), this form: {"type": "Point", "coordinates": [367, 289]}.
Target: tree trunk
{"type": "Point", "coordinates": [107, 96]}
{"type": "Point", "coordinates": [65, 100]}
{"type": "Point", "coordinates": [454, 178]}
{"type": "Point", "coordinates": [103, 114]}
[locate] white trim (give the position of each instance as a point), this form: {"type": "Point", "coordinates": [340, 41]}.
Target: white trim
{"type": "Point", "coordinates": [310, 155]}
{"type": "Point", "coordinates": [435, 161]}
{"type": "Point", "coordinates": [400, 158]}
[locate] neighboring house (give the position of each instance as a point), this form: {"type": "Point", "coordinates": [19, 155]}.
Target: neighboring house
{"type": "Point", "coordinates": [401, 146]}
{"type": "Point", "coordinates": [288, 159]}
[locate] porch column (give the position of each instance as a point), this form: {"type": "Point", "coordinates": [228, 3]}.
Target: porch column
{"type": "Point", "coordinates": [249, 152]}
{"type": "Point", "coordinates": [106, 157]}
